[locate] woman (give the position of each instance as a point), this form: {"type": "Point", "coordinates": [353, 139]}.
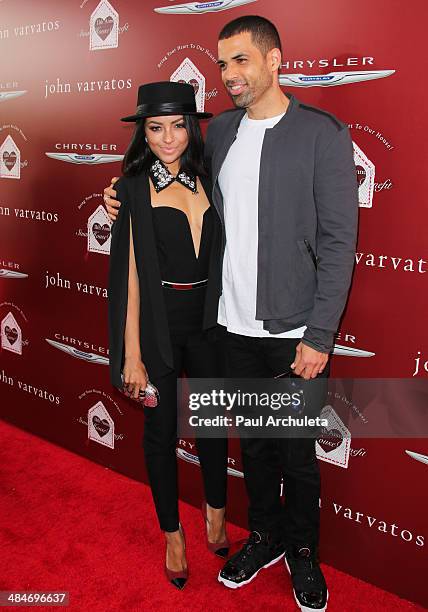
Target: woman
{"type": "Point", "coordinates": [163, 293]}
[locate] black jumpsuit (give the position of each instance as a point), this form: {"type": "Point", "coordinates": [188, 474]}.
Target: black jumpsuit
{"type": "Point", "coordinates": [194, 353]}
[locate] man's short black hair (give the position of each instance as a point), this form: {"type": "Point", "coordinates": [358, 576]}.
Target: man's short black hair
{"type": "Point", "coordinates": [264, 34]}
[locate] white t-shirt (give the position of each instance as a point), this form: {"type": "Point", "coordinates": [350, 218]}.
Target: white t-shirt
{"type": "Point", "coordinates": [239, 184]}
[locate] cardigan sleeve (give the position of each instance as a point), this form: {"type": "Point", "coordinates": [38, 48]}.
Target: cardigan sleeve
{"type": "Point", "coordinates": [118, 283]}
{"type": "Point", "coordinates": [336, 199]}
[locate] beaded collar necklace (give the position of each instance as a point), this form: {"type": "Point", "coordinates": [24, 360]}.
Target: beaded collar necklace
{"type": "Point", "coordinates": [161, 178]}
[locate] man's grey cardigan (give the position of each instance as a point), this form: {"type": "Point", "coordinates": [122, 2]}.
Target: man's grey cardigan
{"type": "Point", "coordinates": [308, 211]}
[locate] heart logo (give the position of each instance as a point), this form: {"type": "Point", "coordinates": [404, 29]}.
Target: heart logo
{"type": "Point", "coordinates": [9, 159]}
{"type": "Point", "coordinates": [103, 27]}
{"type": "Point", "coordinates": [11, 334]}
{"type": "Point", "coordinates": [361, 175]}
{"type": "Point", "coordinates": [192, 82]}
{"type": "Point", "coordinates": [101, 425]}
{"type": "Point", "coordinates": [330, 439]}
{"type": "Point", "coordinates": [101, 233]}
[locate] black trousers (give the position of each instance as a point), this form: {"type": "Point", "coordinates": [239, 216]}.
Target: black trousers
{"type": "Point", "coordinates": [266, 461]}
{"type": "Point", "coordinates": [200, 356]}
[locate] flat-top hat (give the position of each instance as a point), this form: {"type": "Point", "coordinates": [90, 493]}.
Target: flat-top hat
{"type": "Point", "coordinates": [166, 98]}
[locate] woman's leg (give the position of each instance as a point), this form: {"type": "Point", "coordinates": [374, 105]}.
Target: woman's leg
{"type": "Point", "coordinates": [203, 359]}
{"type": "Point", "coordinates": [160, 439]}
{"type": "Point", "coordinates": [160, 435]}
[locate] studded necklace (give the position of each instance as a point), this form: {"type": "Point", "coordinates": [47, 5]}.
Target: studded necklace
{"type": "Point", "coordinates": [161, 178]}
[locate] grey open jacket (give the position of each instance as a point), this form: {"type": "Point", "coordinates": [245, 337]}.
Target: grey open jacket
{"type": "Point", "coordinates": [308, 215]}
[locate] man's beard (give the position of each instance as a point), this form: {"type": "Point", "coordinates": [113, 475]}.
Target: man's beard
{"type": "Point", "coordinates": [248, 97]}
{"type": "Point", "coordinates": [244, 99]}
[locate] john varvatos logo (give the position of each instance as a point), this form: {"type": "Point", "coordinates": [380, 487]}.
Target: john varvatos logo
{"type": "Point", "coordinates": [380, 526]}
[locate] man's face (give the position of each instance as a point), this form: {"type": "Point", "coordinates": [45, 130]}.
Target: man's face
{"type": "Point", "coordinates": [245, 72]}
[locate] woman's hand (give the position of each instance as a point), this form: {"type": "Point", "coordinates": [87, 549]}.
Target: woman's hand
{"type": "Point", "coordinates": [135, 376]}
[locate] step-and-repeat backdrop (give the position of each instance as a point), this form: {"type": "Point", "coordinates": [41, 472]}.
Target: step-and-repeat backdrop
{"type": "Point", "coordinates": [69, 71]}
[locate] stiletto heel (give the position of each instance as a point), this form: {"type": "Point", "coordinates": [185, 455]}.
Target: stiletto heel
{"type": "Point", "coordinates": [221, 549]}
{"type": "Point", "coordinates": [177, 578]}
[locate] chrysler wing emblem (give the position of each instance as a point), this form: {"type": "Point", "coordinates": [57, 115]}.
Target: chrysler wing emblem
{"type": "Point", "coordinates": [74, 352]}
{"type": "Point", "coordinates": [182, 454]}
{"type": "Point", "coordinates": [11, 274]}
{"type": "Point", "coordinates": [233, 472]}
{"type": "Point", "coordinates": [418, 457]}
{"type": "Point", "coordinates": [77, 158]}
{"type": "Point", "coordinates": [350, 351]}
{"type": "Point", "coordinates": [332, 78]}
{"type": "Point", "coordinates": [8, 95]}
{"type": "Point", "coordinates": [197, 8]}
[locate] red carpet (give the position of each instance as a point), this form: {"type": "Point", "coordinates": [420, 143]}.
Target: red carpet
{"type": "Point", "coordinates": [69, 524]}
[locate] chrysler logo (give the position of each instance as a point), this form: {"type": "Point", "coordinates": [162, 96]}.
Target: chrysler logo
{"type": "Point", "coordinates": [196, 8]}
{"type": "Point", "coordinates": [418, 457]}
{"type": "Point", "coordinates": [4, 273]}
{"type": "Point", "coordinates": [182, 454]}
{"type": "Point", "coordinates": [332, 78]}
{"type": "Point", "coordinates": [77, 158]}
{"type": "Point", "coordinates": [8, 95]}
{"type": "Point", "coordinates": [350, 351]}
{"type": "Point", "coordinates": [74, 352]}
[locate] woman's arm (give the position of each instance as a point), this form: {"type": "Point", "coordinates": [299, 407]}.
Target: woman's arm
{"type": "Point", "coordinates": [132, 329]}
{"type": "Point", "coordinates": [134, 371]}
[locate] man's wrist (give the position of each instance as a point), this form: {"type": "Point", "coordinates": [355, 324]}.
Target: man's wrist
{"type": "Point", "coordinates": [318, 347]}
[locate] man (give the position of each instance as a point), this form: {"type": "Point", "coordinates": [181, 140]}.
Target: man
{"type": "Point", "coordinates": [286, 190]}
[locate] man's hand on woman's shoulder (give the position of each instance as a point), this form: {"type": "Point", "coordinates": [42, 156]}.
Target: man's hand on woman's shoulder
{"type": "Point", "coordinates": [110, 201]}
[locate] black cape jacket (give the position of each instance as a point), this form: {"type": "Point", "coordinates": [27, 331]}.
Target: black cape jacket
{"type": "Point", "coordinates": [156, 351]}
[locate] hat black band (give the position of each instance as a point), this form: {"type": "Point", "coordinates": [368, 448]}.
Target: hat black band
{"type": "Point", "coordinates": [170, 108]}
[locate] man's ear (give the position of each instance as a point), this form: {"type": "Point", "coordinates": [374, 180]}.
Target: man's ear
{"type": "Point", "coordinates": [275, 59]}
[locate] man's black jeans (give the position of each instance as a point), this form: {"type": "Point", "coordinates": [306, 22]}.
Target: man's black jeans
{"type": "Point", "coordinates": [265, 461]}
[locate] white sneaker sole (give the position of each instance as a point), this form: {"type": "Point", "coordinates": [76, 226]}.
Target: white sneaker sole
{"type": "Point", "coordinates": [302, 607]}
{"type": "Point", "coordinates": [234, 585]}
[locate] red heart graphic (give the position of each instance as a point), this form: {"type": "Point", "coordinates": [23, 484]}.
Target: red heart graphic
{"type": "Point", "coordinates": [11, 334]}
{"type": "Point", "coordinates": [361, 174]}
{"type": "Point", "coordinates": [9, 159]}
{"type": "Point", "coordinates": [330, 439]}
{"type": "Point", "coordinates": [103, 27]}
{"type": "Point", "coordinates": [101, 425]}
{"type": "Point", "coordinates": [101, 233]}
{"type": "Point", "coordinates": [192, 82]}
{"type": "Point", "coordinates": [195, 84]}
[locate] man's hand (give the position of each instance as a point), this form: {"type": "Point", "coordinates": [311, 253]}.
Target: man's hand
{"type": "Point", "coordinates": [111, 203]}
{"type": "Point", "coordinates": [308, 362]}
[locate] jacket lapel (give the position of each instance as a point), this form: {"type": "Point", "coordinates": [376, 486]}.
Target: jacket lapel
{"type": "Point", "coordinates": [208, 186]}
{"type": "Point", "coordinates": [222, 144]}
{"type": "Point", "coordinates": [148, 264]}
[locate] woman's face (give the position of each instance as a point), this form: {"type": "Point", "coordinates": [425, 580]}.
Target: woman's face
{"type": "Point", "coordinates": [167, 137]}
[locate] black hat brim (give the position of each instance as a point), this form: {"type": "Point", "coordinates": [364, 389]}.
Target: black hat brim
{"type": "Point", "coordinates": [161, 114]}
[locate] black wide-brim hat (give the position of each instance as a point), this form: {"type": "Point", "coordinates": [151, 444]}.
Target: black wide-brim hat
{"type": "Point", "coordinates": [166, 98]}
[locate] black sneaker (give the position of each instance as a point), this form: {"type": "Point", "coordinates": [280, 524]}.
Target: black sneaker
{"type": "Point", "coordinates": [258, 552]}
{"type": "Point", "coordinates": [310, 589]}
